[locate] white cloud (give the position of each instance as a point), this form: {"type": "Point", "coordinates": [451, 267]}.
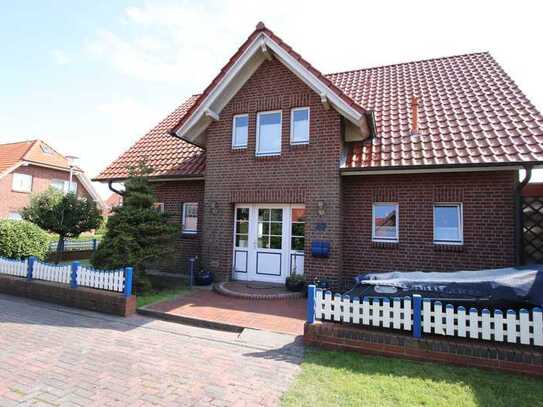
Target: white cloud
{"type": "Point", "coordinates": [188, 42]}
{"type": "Point", "coordinates": [60, 57]}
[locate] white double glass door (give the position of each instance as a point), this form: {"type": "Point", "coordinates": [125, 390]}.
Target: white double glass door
{"type": "Point", "coordinates": [268, 242]}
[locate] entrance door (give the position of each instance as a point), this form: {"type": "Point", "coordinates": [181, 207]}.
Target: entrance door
{"type": "Point", "coordinates": [267, 242]}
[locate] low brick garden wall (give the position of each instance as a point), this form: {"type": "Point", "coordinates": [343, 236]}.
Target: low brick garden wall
{"type": "Point", "coordinates": [85, 298]}
{"type": "Point", "coordinates": [462, 352]}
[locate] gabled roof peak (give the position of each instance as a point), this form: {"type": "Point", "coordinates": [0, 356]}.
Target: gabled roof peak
{"type": "Point", "coordinates": [261, 45]}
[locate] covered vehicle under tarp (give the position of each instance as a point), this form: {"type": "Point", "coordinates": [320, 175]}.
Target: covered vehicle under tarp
{"type": "Point", "coordinates": [514, 287]}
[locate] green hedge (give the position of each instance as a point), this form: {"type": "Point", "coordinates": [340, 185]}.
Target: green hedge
{"type": "Point", "coordinates": [20, 239]}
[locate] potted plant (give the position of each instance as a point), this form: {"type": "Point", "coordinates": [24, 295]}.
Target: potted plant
{"type": "Point", "coordinates": [322, 284]}
{"type": "Point", "coordinates": [203, 277]}
{"type": "Point", "coordinates": [295, 282]}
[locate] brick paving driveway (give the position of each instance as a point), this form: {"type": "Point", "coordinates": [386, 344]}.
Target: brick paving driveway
{"type": "Point", "coordinates": [51, 355]}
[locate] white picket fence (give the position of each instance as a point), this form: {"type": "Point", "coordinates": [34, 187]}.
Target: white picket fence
{"type": "Point", "coordinates": [13, 267]}
{"type": "Point", "coordinates": [378, 312]}
{"type": "Point", "coordinates": [513, 327]}
{"type": "Point", "coordinates": [523, 326]}
{"type": "Point", "coordinates": [104, 280]}
{"type": "Point", "coordinates": [73, 274]}
{"type": "Point", "coordinates": [52, 272]}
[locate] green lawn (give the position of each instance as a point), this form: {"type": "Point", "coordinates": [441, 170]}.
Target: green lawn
{"type": "Point", "coordinates": [162, 295]}
{"type": "Point", "coordinates": [348, 379]}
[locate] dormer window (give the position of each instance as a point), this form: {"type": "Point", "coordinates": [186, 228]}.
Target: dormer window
{"type": "Point", "coordinates": [268, 133]}
{"type": "Point", "coordinates": [299, 126]}
{"type": "Point", "coordinates": [240, 131]}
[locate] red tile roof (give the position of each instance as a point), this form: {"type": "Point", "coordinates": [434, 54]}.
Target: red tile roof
{"type": "Point", "coordinates": [11, 154]}
{"type": "Point", "coordinates": [168, 156]}
{"type": "Point", "coordinates": [470, 113]}
{"type": "Point", "coordinates": [32, 151]}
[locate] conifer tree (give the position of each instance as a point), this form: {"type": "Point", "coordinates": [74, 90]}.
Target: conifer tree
{"type": "Point", "coordinates": [137, 233]}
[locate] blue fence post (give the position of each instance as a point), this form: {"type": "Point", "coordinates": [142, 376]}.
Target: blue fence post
{"type": "Point", "coordinates": [417, 315]}
{"type": "Point", "coordinates": [73, 274]}
{"type": "Point", "coordinates": [311, 292]}
{"type": "Point", "coordinates": [128, 281]}
{"type": "Point", "coordinates": [30, 267]}
{"type": "Point", "coordinates": [93, 245]}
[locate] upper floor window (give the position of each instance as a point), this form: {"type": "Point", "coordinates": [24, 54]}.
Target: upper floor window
{"type": "Point", "coordinates": [190, 218]}
{"type": "Point", "coordinates": [268, 133]}
{"type": "Point", "coordinates": [240, 131]}
{"type": "Point", "coordinates": [64, 186]}
{"type": "Point", "coordinates": [21, 183]}
{"type": "Point", "coordinates": [385, 222]}
{"type": "Point", "coordinates": [45, 149]}
{"type": "Point", "coordinates": [448, 223]}
{"type": "Point", "coordinates": [299, 125]}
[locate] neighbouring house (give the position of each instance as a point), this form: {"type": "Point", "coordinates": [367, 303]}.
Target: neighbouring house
{"type": "Point", "coordinates": [276, 168]}
{"type": "Point", "coordinates": [112, 201]}
{"type": "Point", "coordinates": [33, 166]}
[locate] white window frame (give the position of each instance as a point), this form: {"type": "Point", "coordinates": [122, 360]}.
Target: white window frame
{"type": "Point", "coordinates": [66, 187]}
{"type": "Point", "coordinates": [267, 154]}
{"type": "Point", "coordinates": [13, 215]}
{"type": "Point", "coordinates": [460, 214]}
{"type": "Point", "coordinates": [15, 188]}
{"type": "Point", "coordinates": [234, 145]}
{"type": "Point", "coordinates": [292, 141]}
{"type": "Point", "coordinates": [54, 180]}
{"type": "Point", "coordinates": [395, 239]}
{"type": "Point", "coordinates": [183, 229]}
{"type": "Point", "coordinates": [159, 206]}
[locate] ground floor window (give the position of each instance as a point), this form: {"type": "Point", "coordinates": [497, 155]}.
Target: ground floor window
{"type": "Point", "coordinates": [270, 228]}
{"type": "Point", "coordinates": [242, 227]}
{"type": "Point", "coordinates": [298, 229]}
{"type": "Point", "coordinates": [15, 216]}
{"type": "Point", "coordinates": [190, 217]}
{"type": "Point", "coordinates": [385, 222]}
{"type": "Point", "coordinates": [448, 223]}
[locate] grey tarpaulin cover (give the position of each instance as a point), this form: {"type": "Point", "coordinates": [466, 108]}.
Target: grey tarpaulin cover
{"type": "Point", "coordinates": [497, 287]}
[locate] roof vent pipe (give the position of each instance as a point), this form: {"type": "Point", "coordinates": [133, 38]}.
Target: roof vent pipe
{"type": "Point", "coordinates": [415, 114]}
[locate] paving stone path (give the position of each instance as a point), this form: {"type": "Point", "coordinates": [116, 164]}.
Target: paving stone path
{"type": "Point", "coordinates": [57, 356]}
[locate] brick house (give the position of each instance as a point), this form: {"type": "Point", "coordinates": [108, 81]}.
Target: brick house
{"type": "Point", "coordinates": [276, 168]}
{"type": "Point", "coordinates": [33, 166]}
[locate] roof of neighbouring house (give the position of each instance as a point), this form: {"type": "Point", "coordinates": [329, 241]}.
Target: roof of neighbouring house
{"type": "Point", "coordinates": [37, 152]}
{"type": "Point", "coordinates": [30, 151]}
{"type": "Point", "coordinates": [470, 113]}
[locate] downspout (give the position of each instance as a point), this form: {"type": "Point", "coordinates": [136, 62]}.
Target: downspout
{"type": "Point", "coordinates": [519, 217]}
{"type": "Point", "coordinates": [110, 186]}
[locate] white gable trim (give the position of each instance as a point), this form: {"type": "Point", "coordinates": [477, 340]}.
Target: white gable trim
{"type": "Point", "coordinates": [11, 169]}
{"type": "Point", "coordinates": [87, 184]}
{"type": "Point", "coordinates": [240, 71]}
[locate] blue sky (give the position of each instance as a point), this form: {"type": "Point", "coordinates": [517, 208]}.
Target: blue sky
{"type": "Point", "coordinates": [91, 77]}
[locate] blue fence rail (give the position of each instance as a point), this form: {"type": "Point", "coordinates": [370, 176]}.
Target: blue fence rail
{"type": "Point", "coordinates": [75, 275]}
{"type": "Point", "coordinates": [424, 316]}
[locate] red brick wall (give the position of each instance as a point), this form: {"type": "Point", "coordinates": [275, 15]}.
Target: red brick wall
{"type": "Point", "coordinates": [301, 174]}
{"type": "Point", "coordinates": [173, 194]}
{"type": "Point", "coordinates": [41, 180]}
{"type": "Point", "coordinates": [488, 209]}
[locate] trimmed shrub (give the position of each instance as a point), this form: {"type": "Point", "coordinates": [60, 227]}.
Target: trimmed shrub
{"type": "Point", "coordinates": [20, 239]}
